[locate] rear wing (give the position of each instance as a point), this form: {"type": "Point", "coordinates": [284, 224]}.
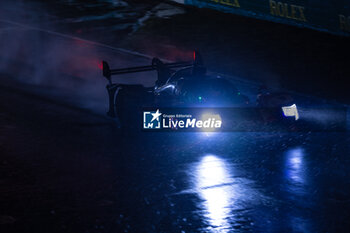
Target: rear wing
{"type": "Point", "coordinates": [164, 69]}
{"type": "Point", "coordinates": [164, 72]}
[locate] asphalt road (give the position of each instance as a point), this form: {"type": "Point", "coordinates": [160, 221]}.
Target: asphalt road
{"type": "Point", "coordinates": [67, 170]}
{"type": "Point", "coordinates": [65, 167]}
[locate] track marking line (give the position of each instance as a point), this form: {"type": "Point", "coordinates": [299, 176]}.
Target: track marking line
{"type": "Point", "coordinates": [126, 51]}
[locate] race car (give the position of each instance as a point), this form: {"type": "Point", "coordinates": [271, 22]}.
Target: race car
{"type": "Point", "coordinates": [181, 85]}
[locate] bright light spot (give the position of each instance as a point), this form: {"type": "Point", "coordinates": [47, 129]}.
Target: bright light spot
{"type": "Point", "coordinates": [209, 134]}
{"type": "Point", "coordinates": [214, 182]}
{"type": "Point", "coordinates": [212, 171]}
{"type": "Point", "coordinates": [291, 111]}
{"type": "Point", "coordinates": [295, 168]}
{"type": "Point", "coordinates": [206, 116]}
{"type": "Point", "coordinates": [295, 162]}
{"type": "Point", "coordinates": [222, 191]}
{"type": "Point", "coordinates": [214, 118]}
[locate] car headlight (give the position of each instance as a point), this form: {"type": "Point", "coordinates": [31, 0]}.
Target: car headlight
{"type": "Point", "coordinates": [211, 121]}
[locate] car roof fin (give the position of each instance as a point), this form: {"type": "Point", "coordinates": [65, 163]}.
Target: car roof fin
{"type": "Point", "coordinates": [198, 65]}
{"type": "Point", "coordinates": [163, 71]}
{"type": "Point", "coordinates": [106, 71]}
{"type": "Point", "coordinates": [198, 60]}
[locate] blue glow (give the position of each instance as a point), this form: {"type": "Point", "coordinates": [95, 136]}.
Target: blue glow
{"type": "Point", "coordinates": [212, 175]}
{"type": "Point", "coordinates": [215, 118]}
{"type": "Point", "coordinates": [295, 169]}
{"type": "Point", "coordinates": [221, 191]}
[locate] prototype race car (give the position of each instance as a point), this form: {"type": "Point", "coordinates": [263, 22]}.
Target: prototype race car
{"type": "Point", "coordinates": [182, 85]}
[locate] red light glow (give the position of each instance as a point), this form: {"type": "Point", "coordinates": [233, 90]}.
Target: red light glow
{"type": "Point", "coordinates": [100, 65]}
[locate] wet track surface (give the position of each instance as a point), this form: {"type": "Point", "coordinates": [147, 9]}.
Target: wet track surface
{"type": "Point", "coordinates": [165, 182]}
{"type": "Point", "coordinates": [65, 167]}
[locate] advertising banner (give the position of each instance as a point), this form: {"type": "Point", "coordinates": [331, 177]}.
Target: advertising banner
{"type": "Point", "coordinates": [330, 16]}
